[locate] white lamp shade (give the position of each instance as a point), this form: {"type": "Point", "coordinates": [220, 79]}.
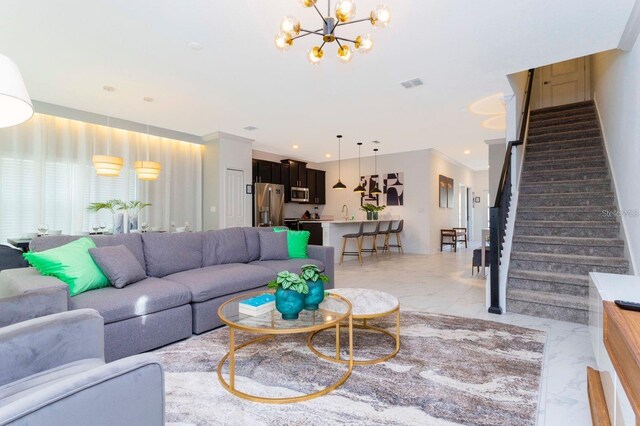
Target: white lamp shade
{"type": "Point", "coordinates": [15, 104]}
{"type": "Point", "coordinates": [107, 165]}
{"type": "Point", "coordinates": [147, 170]}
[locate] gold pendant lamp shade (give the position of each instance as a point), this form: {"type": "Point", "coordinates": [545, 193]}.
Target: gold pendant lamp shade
{"type": "Point", "coordinates": [147, 170]}
{"type": "Point", "coordinates": [107, 165]}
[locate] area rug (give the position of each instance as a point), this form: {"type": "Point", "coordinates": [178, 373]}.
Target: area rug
{"type": "Point", "coordinates": [449, 371]}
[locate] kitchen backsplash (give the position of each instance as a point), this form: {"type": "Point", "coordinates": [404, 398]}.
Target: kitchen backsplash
{"type": "Point", "coordinates": [295, 210]}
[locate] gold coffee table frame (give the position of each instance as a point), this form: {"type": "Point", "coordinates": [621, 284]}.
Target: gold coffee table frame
{"type": "Point", "coordinates": [363, 326]}
{"type": "Point", "coordinates": [269, 333]}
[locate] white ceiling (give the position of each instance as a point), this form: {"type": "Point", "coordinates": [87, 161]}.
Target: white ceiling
{"type": "Point", "coordinates": [462, 49]}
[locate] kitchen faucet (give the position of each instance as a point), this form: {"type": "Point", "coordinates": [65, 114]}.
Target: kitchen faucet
{"type": "Point", "coordinates": [344, 206]}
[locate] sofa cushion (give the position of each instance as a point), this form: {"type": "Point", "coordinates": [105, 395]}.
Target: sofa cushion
{"type": "Point", "coordinates": [220, 280]}
{"type": "Point", "coordinates": [273, 246]}
{"type": "Point", "coordinates": [252, 238]}
{"type": "Point", "coordinates": [168, 253]}
{"type": "Point", "coordinates": [291, 265]}
{"type": "Point", "coordinates": [224, 246]}
{"type": "Point", "coordinates": [131, 241]}
{"type": "Point", "coordinates": [119, 265]}
{"type": "Point", "coordinates": [144, 297]}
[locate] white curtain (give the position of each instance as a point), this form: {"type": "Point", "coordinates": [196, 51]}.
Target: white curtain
{"type": "Point", "coordinates": [47, 177]}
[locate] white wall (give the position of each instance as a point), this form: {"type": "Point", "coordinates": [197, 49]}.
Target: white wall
{"type": "Point", "coordinates": [423, 216]}
{"type": "Point", "coordinates": [479, 211]}
{"type": "Point", "coordinates": [497, 148]}
{"type": "Point", "coordinates": [616, 90]}
{"type": "Point", "coordinates": [223, 151]}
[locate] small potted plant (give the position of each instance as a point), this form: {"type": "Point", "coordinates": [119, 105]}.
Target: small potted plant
{"type": "Point", "coordinates": [113, 206]}
{"type": "Point", "coordinates": [290, 293]}
{"type": "Point", "coordinates": [372, 210]}
{"type": "Point", "coordinates": [315, 281]}
{"type": "Point", "coordinates": [133, 209]}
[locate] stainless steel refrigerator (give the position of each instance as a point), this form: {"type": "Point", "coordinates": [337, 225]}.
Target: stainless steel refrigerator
{"type": "Point", "coordinates": [268, 204]}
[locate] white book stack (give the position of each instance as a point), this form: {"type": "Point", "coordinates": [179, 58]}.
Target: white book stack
{"type": "Point", "coordinates": [257, 305]}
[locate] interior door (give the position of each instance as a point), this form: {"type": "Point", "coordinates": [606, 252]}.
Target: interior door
{"type": "Point", "coordinates": [234, 215]}
{"type": "Point", "coordinates": [565, 83]}
{"type": "Point", "coordinates": [462, 207]}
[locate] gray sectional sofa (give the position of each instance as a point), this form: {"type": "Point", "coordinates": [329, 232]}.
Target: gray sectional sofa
{"type": "Point", "coordinates": [189, 276]}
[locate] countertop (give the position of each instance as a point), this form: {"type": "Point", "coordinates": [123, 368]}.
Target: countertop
{"type": "Point", "coordinates": [343, 221]}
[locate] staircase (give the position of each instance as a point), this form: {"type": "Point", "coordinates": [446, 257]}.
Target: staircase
{"type": "Point", "coordinates": [561, 233]}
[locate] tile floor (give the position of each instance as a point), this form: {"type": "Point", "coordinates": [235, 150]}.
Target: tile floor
{"type": "Point", "coordinates": [442, 283]}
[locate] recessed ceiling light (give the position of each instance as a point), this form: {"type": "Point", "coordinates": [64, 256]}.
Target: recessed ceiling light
{"type": "Point", "coordinates": [147, 99]}
{"type": "Point", "coordinates": [376, 142]}
{"type": "Point", "coordinates": [328, 155]}
{"type": "Point", "coordinates": [463, 109]}
{"type": "Point", "coordinates": [108, 88]}
{"type": "Point", "coordinates": [467, 152]}
{"type": "Point", "coordinates": [251, 128]}
{"type": "Point", "coordinates": [195, 45]}
{"type": "Point", "coordinates": [295, 147]}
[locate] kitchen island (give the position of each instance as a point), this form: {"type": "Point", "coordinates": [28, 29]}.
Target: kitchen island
{"type": "Point", "coordinates": [333, 230]}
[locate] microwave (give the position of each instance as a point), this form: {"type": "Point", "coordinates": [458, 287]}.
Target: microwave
{"type": "Point", "coordinates": [299, 195]}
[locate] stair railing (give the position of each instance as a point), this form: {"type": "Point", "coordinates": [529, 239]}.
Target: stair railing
{"type": "Point", "coordinates": [499, 212]}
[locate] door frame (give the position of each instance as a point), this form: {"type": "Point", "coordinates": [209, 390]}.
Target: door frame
{"type": "Point", "coordinates": [223, 199]}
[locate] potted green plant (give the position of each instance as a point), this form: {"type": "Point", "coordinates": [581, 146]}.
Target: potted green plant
{"type": "Point", "coordinates": [290, 293]}
{"type": "Point", "coordinates": [372, 210]}
{"type": "Point", "coordinates": [315, 281]}
{"type": "Point", "coordinates": [113, 206]}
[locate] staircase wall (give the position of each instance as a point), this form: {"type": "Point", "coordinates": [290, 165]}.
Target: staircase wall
{"type": "Point", "coordinates": [616, 91]}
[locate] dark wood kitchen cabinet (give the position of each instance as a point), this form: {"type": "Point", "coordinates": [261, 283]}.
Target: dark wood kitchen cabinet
{"type": "Point", "coordinates": [316, 185]}
{"type": "Point", "coordinates": [261, 171]}
{"type": "Point", "coordinates": [297, 173]}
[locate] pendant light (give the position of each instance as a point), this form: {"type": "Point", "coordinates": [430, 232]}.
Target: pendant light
{"type": "Point", "coordinates": [359, 188]}
{"type": "Point", "coordinates": [108, 165]}
{"type": "Point", "coordinates": [376, 188]}
{"type": "Point", "coordinates": [339, 185]}
{"type": "Point", "coordinates": [147, 170]}
{"type": "Point", "coordinates": [15, 104]}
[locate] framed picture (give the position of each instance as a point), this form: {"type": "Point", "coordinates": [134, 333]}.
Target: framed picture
{"type": "Point", "coordinates": [450, 197]}
{"type": "Point", "coordinates": [442, 186]}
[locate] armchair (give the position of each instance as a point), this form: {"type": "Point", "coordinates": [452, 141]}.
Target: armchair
{"type": "Point", "coordinates": [53, 372]}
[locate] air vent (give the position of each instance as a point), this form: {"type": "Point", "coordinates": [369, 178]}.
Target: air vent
{"type": "Point", "coordinates": [414, 82]}
{"type": "Point", "coordinates": [251, 128]}
{"type": "Point", "coordinates": [376, 142]}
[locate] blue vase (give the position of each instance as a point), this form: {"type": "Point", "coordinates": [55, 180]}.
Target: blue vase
{"type": "Point", "coordinates": [289, 303]}
{"type": "Point", "coordinates": [315, 295]}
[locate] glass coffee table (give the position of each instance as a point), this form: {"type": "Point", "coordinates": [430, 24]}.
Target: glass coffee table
{"type": "Point", "coordinates": [332, 311]}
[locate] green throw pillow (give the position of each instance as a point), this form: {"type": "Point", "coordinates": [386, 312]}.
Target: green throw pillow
{"type": "Point", "coordinates": [297, 242]}
{"type": "Point", "coordinates": [72, 264]}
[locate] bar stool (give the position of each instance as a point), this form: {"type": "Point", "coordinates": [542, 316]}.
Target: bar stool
{"type": "Point", "coordinates": [397, 231]}
{"type": "Point", "coordinates": [374, 247]}
{"type": "Point", "coordinates": [359, 237]}
{"type": "Point", "coordinates": [386, 232]}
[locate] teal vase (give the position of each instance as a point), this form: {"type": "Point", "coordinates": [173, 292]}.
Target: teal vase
{"type": "Point", "coordinates": [315, 295]}
{"type": "Point", "coordinates": [369, 215]}
{"type": "Point", "coordinates": [375, 215]}
{"type": "Point", "coordinates": [289, 303]}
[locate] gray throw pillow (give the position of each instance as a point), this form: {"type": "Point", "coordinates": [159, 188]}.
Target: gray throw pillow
{"type": "Point", "coordinates": [273, 246]}
{"type": "Point", "coordinates": [119, 265]}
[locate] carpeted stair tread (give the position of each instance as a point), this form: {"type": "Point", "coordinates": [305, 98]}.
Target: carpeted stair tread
{"type": "Point", "coordinates": [557, 145]}
{"type": "Point", "coordinates": [537, 116]}
{"type": "Point", "coordinates": [567, 223]}
{"type": "Point", "coordinates": [553, 209]}
{"type": "Point", "coordinates": [569, 181]}
{"type": "Point", "coordinates": [563, 127]}
{"type": "Point", "coordinates": [565, 107]}
{"type": "Point", "coordinates": [586, 117]}
{"type": "Point", "coordinates": [582, 152]}
{"type": "Point", "coordinates": [580, 280]}
{"type": "Point", "coordinates": [541, 176]}
{"type": "Point", "coordinates": [567, 195]}
{"type": "Point", "coordinates": [564, 136]}
{"type": "Point", "coordinates": [552, 299]}
{"type": "Point", "coordinates": [562, 163]}
{"type": "Point", "coordinates": [554, 240]}
{"type": "Point", "coordinates": [568, 258]}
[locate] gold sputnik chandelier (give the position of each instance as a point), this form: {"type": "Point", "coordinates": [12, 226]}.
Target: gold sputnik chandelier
{"type": "Point", "coordinates": [345, 11]}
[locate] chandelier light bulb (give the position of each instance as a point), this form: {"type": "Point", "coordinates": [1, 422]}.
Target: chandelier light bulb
{"type": "Point", "coordinates": [364, 43]}
{"type": "Point", "coordinates": [283, 41]}
{"type": "Point", "coordinates": [380, 16]}
{"type": "Point", "coordinates": [345, 10]}
{"type": "Point", "coordinates": [308, 3]}
{"type": "Point", "coordinates": [290, 25]}
{"type": "Point", "coordinates": [315, 55]}
{"type": "Point", "coordinates": [345, 54]}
